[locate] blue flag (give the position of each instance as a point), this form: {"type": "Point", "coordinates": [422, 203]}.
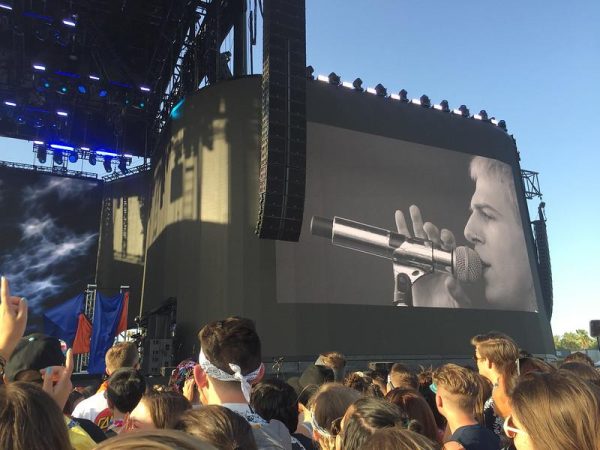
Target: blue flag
{"type": "Point", "coordinates": [107, 314]}
{"type": "Point", "coordinates": [61, 321]}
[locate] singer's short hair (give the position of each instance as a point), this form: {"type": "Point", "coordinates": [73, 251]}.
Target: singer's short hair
{"type": "Point", "coordinates": [232, 340]}
{"type": "Point", "coordinates": [499, 349]}
{"type": "Point", "coordinates": [502, 172]}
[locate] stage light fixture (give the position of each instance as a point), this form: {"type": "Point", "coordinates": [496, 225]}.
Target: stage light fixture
{"type": "Point", "coordinates": [62, 113]}
{"type": "Point", "coordinates": [94, 77]}
{"type": "Point", "coordinates": [70, 21]}
{"type": "Point", "coordinates": [416, 101]}
{"type": "Point", "coordinates": [20, 120]}
{"type": "Point", "coordinates": [123, 165]}
{"type": "Point", "coordinates": [82, 89]}
{"type": "Point", "coordinates": [445, 106]}
{"type": "Point", "coordinates": [371, 90]}
{"type": "Point", "coordinates": [403, 95]}
{"type": "Point", "coordinates": [357, 84]}
{"type": "Point", "coordinates": [42, 153]}
{"type": "Point", "coordinates": [462, 111]}
{"type": "Point", "coordinates": [58, 157]}
{"type": "Point", "coordinates": [334, 79]}
{"type": "Point", "coordinates": [380, 90]}
{"type": "Point", "coordinates": [502, 124]}
{"type": "Point", "coordinates": [483, 115]}
{"type": "Point", "coordinates": [323, 78]}
{"type": "Point", "coordinates": [92, 158]}
{"type": "Point", "coordinates": [73, 156]}
{"type": "Point", "coordinates": [62, 90]}
{"type": "Point", "coordinates": [425, 102]}
{"type": "Point", "coordinates": [145, 88]}
{"type": "Point", "coordinates": [38, 122]}
{"type": "Point", "coordinates": [6, 6]}
{"type": "Point", "coordinates": [10, 103]}
{"type": "Point", "coordinates": [39, 67]}
{"type": "Point", "coordinates": [103, 93]}
{"type": "Point", "coordinates": [107, 163]}
{"type": "Point", "coordinates": [310, 70]}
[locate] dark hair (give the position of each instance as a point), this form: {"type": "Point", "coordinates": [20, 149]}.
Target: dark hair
{"type": "Point", "coordinates": [30, 419]}
{"type": "Point", "coordinates": [74, 396]}
{"type": "Point", "coordinates": [416, 409]}
{"type": "Point", "coordinates": [165, 407]}
{"type": "Point", "coordinates": [233, 340]}
{"type": "Point", "coordinates": [583, 371]}
{"type": "Point", "coordinates": [218, 426]}
{"type": "Point", "coordinates": [533, 364]}
{"type": "Point", "coordinates": [394, 438]}
{"type": "Point", "coordinates": [364, 417]}
{"type": "Point", "coordinates": [579, 357]}
{"type": "Point", "coordinates": [125, 389]}
{"type": "Point", "coordinates": [402, 377]}
{"type": "Point", "coordinates": [363, 384]}
{"type": "Point", "coordinates": [275, 399]}
{"type": "Point", "coordinates": [154, 440]}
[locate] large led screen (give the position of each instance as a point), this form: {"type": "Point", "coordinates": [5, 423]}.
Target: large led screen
{"type": "Point", "coordinates": [443, 198]}
{"type": "Point", "coordinates": [48, 237]}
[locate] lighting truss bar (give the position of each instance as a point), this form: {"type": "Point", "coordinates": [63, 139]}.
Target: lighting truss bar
{"type": "Point", "coordinates": [115, 175]}
{"type": "Point", "coordinates": [57, 170]}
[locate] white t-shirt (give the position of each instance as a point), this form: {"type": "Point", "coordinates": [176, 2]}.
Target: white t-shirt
{"type": "Point", "coordinates": [91, 407]}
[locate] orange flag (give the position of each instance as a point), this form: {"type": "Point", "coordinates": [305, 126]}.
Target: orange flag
{"type": "Point", "coordinates": [81, 343]}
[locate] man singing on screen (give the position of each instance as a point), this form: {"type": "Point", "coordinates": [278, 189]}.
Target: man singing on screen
{"type": "Point", "coordinates": [495, 229]}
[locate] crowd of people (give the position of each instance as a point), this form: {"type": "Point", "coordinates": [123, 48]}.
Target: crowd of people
{"type": "Point", "coordinates": [224, 400]}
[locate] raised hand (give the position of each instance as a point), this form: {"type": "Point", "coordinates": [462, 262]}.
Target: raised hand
{"type": "Point", "coordinates": [57, 380]}
{"type": "Point", "coordinates": [437, 289]}
{"type": "Point", "coordinates": [13, 319]}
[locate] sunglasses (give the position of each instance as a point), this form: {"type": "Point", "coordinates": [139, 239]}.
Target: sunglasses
{"type": "Point", "coordinates": [510, 429]}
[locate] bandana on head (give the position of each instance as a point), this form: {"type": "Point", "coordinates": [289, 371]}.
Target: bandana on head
{"type": "Point", "coordinates": [214, 372]}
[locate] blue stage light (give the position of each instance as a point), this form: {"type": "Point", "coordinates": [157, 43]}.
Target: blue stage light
{"type": "Point", "coordinates": [92, 158]}
{"type": "Point", "coordinates": [73, 157]}
{"type": "Point", "coordinates": [82, 89]}
{"type": "Point", "coordinates": [103, 93]}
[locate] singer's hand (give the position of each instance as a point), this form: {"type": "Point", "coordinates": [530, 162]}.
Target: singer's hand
{"type": "Point", "coordinates": [437, 289]}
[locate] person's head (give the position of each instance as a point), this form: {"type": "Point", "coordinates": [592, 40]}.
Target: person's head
{"type": "Point", "coordinates": [335, 361]}
{"type": "Point", "coordinates": [417, 410]}
{"type": "Point", "coordinates": [496, 230]}
{"type": "Point", "coordinates": [554, 411]}
{"type": "Point", "coordinates": [579, 357]}
{"type": "Point", "coordinates": [154, 440]}
{"type": "Point", "coordinates": [533, 364]}
{"type": "Point", "coordinates": [583, 371]}
{"type": "Point", "coordinates": [30, 419]}
{"type": "Point", "coordinates": [33, 353]}
{"type": "Point", "coordinates": [364, 384]}
{"type": "Point", "coordinates": [227, 345]}
{"type": "Point", "coordinates": [425, 376]}
{"type": "Point", "coordinates": [379, 377]}
{"type": "Point", "coordinates": [125, 389]}
{"type": "Point", "coordinates": [122, 354]}
{"type": "Point", "coordinates": [158, 410]}
{"type": "Point", "coordinates": [75, 397]}
{"type": "Point", "coordinates": [394, 438]}
{"type": "Point", "coordinates": [218, 426]}
{"type": "Point", "coordinates": [496, 355]}
{"type": "Point", "coordinates": [327, 407]}
{"type": "Point", "coordinates": [401, 376]}
{"type": "Point", "coordinates": [275, 399]}
{"type": "Point", "coordinates": [363, 418]}
{"type": "Point", "coordinates": [457, 390]}
{"type": "Point", "coordinates": [483, 395]}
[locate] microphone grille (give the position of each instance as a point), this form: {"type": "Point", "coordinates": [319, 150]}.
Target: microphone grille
{"type": "Point", "coordinates": [466, 265]}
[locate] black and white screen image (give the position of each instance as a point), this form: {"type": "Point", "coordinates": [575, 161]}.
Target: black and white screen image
{"type": "Point", "coordinates": [446, 198]}
{"type": "Point", "coordinates": [48, 237]}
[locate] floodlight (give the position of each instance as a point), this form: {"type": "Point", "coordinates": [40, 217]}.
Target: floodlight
{"type": "Point", "coordinates": [39, 67]}
{"type": "Point", "coordinates": [58, 157]}
{"type": "Point", "coordinates": [107, 163]}
{"type": "Point", "coordinates": [403, 95]}
{"type": "Point", "coordinates": [10, 103]}
{"type": "Point", "coordinates": [92, 158]}
{"type": "Point", "coordinates": [425, 102]}
{"type": "Point", "coordinates": [357, 84]}
{"type": "Point", "coordinates": [73, 156]}
{"type": "Point", "coordinates": [310, 70]}
{"type": "Point", "coordinates": [123, 165]}
{"type": "Point", "coordinates": [334, 79]}
{"type": "Point", "coordinates": [42, 153]}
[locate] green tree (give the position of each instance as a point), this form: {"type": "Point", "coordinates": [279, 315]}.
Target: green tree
{"type": "Point", "coordinates": [578, 340]}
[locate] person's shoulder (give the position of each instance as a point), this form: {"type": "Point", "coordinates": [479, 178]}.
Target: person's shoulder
{"type": "Point", "coordinates": [272, 435]}
{"type": "Point", "coordinates": [90, 407]}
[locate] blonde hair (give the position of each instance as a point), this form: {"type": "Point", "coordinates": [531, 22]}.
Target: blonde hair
{"type": "Point", "coordinates": [462, 385]}
{"type": "Point", "coordinates": [501, 172]}
{"type": "Point", "coordinates": [122, 354]}
{"type": "Point", "coordinates": [558, 411]}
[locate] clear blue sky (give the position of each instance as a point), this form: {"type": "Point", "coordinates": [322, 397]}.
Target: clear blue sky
{"type": "Point", "coordinates": [535, 64]}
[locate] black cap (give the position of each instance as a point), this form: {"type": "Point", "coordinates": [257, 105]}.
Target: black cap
{"type": "Point", "coordinates": [34, 352]}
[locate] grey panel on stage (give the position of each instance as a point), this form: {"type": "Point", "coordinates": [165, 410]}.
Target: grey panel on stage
{"type": "Point", "coordinates": [310, 296]}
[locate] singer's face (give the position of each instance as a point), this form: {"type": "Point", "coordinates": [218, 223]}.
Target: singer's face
{"type": "Point", "coordinates": [495, 228]}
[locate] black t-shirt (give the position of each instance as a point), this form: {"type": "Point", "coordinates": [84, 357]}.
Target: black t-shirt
{"type": "Point", "coordinates": [92, 429]}
{"type": "Point", "coordinates": [476, 437]}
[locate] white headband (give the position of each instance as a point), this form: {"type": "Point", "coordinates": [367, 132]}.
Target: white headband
{"type": "Point", "coordinates": [214, 372]}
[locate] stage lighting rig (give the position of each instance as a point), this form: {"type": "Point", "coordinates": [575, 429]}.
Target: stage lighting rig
{"type": "Point", "coordinates": [73, 156]}
{"type": "Point", "coordinates": [6, 5]}
{"type": "Point", "coordinates": [462, 111]}
{"type": "Point", "coordinates": [107, 163]}
{"type": "Point", "coordinates": [92, 158]}
{"type": "Point", "coordinates": [357, 84]}
{"type": "Point", "coordinates": [334, 79]}
{"type": "Point", "coordinates": [41, 151]}
{"type": "Point", "coordinates": [310, 70]}
{"type": "Point", "coordinates": [57, 157]}
{"type": "Point", "coordinates": [380, 90]}
{"type": "Point", "coordinates": [483, 116]}
{"type": "Point", "coordinates": [403, 96]}
{"type": "Point", "coordinates": [443, 106]}
{"type": "Point", "coordinates": [425, 102]}
{"type": "Point", "coordinates": [123, 165]}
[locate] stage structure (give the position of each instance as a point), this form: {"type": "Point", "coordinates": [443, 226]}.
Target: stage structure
{"type": "Point", "coordinates": [368, 155]}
